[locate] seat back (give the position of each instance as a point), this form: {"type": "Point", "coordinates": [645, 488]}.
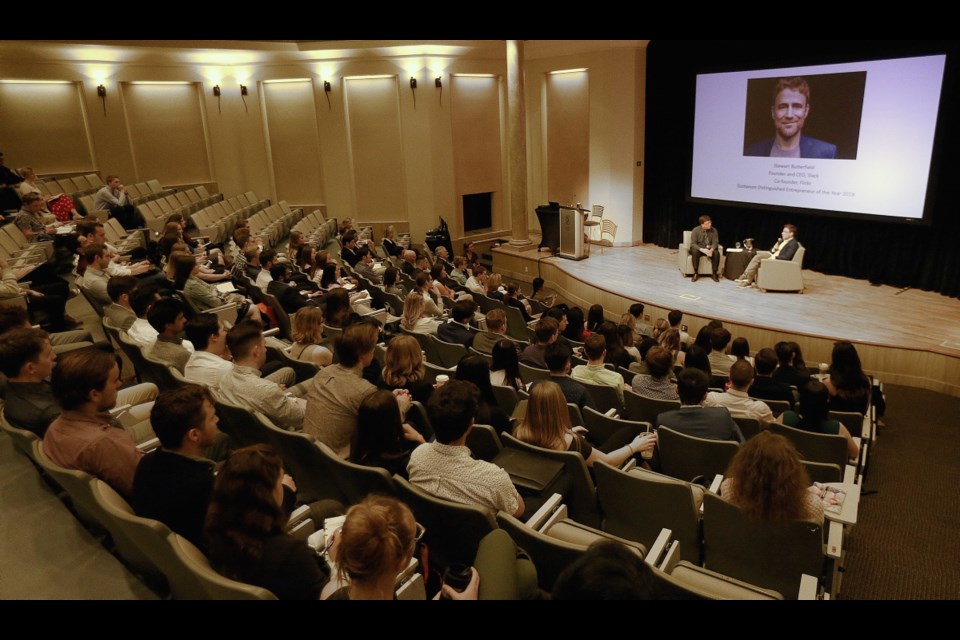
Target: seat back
{"type": "Point", "coordinates": [22, 439]}
{"type": "Point", "coordinates": [815, 447]}
{"type": "Point", "coordinates": [448, 353]}
{"type": "Point", "coordinates": [777, 407]}
{"type": "Point", "coordinates": [601, 426]}
{"type": "Point", "coordinates": [765, 555]}
{"type": "Point", "coordinates": [637, 504]}
{"type": "Point", "coordinates": [506, 398]}
{"type": "Point", "coordinates": [308, 466]}
{"type": "Point", "coordinates": [686, 457]}
{"type": "Point", "coordinates": [138, 541]}
{"type": "Point", "coordinates": [516, 325]}
{"type": "Point", "coordinates": [453, 530]}
{"type": "Point", "coordinates": [581, 498]}
{"type": "Point", "coordinates": [604, 397]}
{"type": "Point", "coordinates": [528, 374]}
{"type": "Point", "coordinates": [483, 442]}
{"type": "Point", "coordinates": [822, 472]}
{"type": "Point", "coordinates": [192, 578]}
{"type": "Point", "coordinates": [242, 426]}
{"type": "Point", "coordinates": [356, 481]}
{"type": "Point", "coordinates": [749, 427]}
{"type": "Point", "coordinates": [76, 483]}
{"type": "Point", "coordinates": [640, 408]}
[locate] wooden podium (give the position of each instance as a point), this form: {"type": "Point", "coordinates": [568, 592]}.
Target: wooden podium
{"type": "Point", "coordinates": [571, 232]}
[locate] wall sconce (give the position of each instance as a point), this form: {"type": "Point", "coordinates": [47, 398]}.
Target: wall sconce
{"type": "Point", "coordinates": [102, 94]}
{"type": "Point", "coordinates": [327, 88]}
{"type": "Point", "coordinates": [413, 90]}
{"type": "Point", "coordinates": [216, 94]}
{"type": "Point", "coordinates": [243, 90]}
{"type": "Point", "coordinates": [243, 94]}
{"type": "Point", "coordinates": [438, 83]}
{"type": "Point", "coordinates": [413, 82]}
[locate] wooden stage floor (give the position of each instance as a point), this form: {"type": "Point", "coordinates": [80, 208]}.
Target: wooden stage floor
{"type": "Point", "coordinates": [831, 307]}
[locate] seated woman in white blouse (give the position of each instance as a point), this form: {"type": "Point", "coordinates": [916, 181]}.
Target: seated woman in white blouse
{"type": "Point", "coordinates": [414, 318]}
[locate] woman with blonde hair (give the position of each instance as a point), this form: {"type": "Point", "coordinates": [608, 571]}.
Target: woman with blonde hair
{"type": "Point", "coordinates": [660, 326]}
{"type": "Point", "coordinates": [403, 368]}
{"type": "Point", "coordinates": [767, 480]}
{"type": "Point", "coordinates": [307, 334]}
{"type": "Point", "coordinates": [493, 286]}
{"type": "Point", "coordinates": [547, 424]}
{"type": "Point", "coordinates": [670, 340]}
{"type": "Point", "coordinates": [414, 318]}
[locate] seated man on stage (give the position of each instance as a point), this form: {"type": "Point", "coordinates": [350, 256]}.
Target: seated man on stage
{"type": "Point", "coordinates": [784, 249]}
{"type": "Point", "coordinates": [705, 241]}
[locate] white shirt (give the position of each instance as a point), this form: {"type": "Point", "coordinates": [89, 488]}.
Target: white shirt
{"type": "Point", "coordinates": [263, 279]}
{"type": "Point", "coordinates": [243, 387]}
{"type": "Point", "coordinates": [450, 473]}
{"type": "Point", "coordinates": [740, 405]}
{"type": "Point", "coordinates": [143, 334]}
{"type": "Point", "coordinates": [206, 368]}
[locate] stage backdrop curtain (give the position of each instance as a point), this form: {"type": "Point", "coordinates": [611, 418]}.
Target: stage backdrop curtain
{"type": "Point", "coordinates": [924, 257]}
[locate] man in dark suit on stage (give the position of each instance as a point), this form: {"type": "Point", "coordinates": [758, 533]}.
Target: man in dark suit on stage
{"type": "Point", "coordinates": [791, 106]}
{"type": "Point", "coordinates": [784, 249]}
{"type": "Point", "coordinates": [705, 241]}
{"type": "Point", "coordinates": [692, 418]}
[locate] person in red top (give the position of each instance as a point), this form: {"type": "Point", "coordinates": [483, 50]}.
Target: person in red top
{"type": "Point", "coordinates": [85, 384]}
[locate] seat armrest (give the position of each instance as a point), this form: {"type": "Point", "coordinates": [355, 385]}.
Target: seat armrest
{"type": "Point", "coordinates": [659, 547]}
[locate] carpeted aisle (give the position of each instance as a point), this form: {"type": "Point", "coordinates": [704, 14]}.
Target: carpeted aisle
{"type": "Point", "coordinates": [906, 545]}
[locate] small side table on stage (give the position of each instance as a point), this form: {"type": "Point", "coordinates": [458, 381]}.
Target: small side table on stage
{"type": "Point", "coordinates": [737, 261]}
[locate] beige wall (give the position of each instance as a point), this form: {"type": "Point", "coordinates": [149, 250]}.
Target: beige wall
{"type": "Point", "coordinates": [397, 155]}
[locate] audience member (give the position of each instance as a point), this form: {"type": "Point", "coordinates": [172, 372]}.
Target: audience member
{"type": "Point", "coordinates": [336, 392]}
{"type": "Point", "coordinates": [383, 439]}
{"type": "Point", "coordinates": [546, 332]}
{"type": "Point", "coordinates": [457, 329]}
{"type": "Point", "coordinates": [558, 362]}
{"type": "Point", "coordinates": [764, 386]}
{"type": "Point", "coordinates": [736, 400]}
{"type": "Point", "coordinates": [475, 369]}
{"type": "Point", "coordinates": [167, 319]}
{"type": "Point", "coordinates": [307, 334]}
{"type": "Point", "coordinates": [719, 361]}
{"type": "Point", "coordinates": [85, 384]}
{"type": "Point", "coordinates": [547, 424]}
{"type": "Point", "coordinates": [245, 528]}
{"type": "Point", "coordinates": [815, 404]}
{"type": "Point", "coordinates": [594, 372]}
{"type": "Point", "coordinates": [496, 331]}
{"type": "Point", "coordinates": [445, 469]}
{"type": "Point", "coordinates": [656, 384]}
{"type": "Point", "coordinates": [769, 483]}
{"type": "Point", "coordinates": [695, 419]}
{"type": "Point", "coordinates": [505, 368]}
{"type": "Point", "coordinates": [174, 483]}
{"type": "Point", "coordinates": [242, 385]}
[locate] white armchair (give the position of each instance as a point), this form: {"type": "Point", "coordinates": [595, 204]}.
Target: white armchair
{"type": "Point", "coordinates": [685, 260]}
{"type": "Point", "coordinates": [782, 275]}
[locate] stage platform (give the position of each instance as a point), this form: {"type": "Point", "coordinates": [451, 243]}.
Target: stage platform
{"type": "Point", "coordinates": [904, 337]}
